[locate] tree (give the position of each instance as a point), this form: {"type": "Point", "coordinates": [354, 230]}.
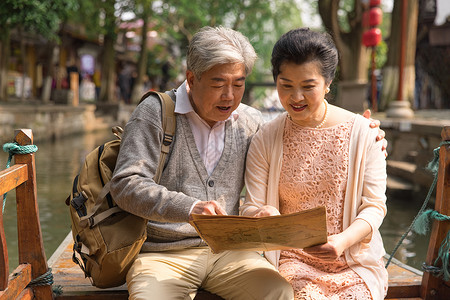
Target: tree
{"type": "Point", "coordinates": [343, 20]}
{"type": "Point", "coordinates": [40, 17]}
{"type": "Point", "coordinates": [391, 68]}
{"type": "Point", "coordinates": [143, 10]}
{"type": "Point", "coordinates": [110, 20]}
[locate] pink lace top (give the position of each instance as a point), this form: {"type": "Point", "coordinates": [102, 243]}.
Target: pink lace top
{"type": "Point", "coordinates": [314, 173]}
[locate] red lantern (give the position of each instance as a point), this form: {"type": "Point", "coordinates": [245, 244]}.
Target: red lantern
{"type": "Point", "coordinates": [365, 19]}
{"type": "Point", "coordinates": [371, 37]}
{"type": "Point", "coordinates": [372, 17]}
{"type": "Point", "coordinates": [375, 3]}
{"type": "Point", "coordinates": [375, 16]}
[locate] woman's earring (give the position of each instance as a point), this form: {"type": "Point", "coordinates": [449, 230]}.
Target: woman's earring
{"type": "Point", "coordinates": [327, 90]}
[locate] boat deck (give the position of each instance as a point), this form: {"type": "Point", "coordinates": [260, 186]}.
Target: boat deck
{"type": "Point", "coordinates": [404, 281]}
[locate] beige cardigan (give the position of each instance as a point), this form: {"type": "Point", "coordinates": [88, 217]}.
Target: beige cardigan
{"type": "Point", "coordinates": [364, 199]}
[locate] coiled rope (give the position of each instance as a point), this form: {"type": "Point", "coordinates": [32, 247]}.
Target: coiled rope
{"type": "Point", "coordinates": [421, 227]}
{"type": "Point", "coordinates": [44, 279]}
{"type": "Point", "coordinates": [421, 224]}
{"type": "Point", "coordinates": [15, 148]}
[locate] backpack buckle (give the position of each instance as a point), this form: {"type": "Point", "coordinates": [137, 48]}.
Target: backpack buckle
{"type": "Point", "coordinates": [168, 139]}
{"type": "Point", "coordinates": [78, 203]}
{"type": "Point", "coordinates": [91, 221]}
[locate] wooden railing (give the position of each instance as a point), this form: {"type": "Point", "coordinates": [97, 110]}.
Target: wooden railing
{"type": "Point", "coordinates": [32, 260]}
{"type": "Point", "coordinates": [432, 286]}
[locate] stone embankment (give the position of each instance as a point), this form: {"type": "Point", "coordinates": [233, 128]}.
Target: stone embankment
{"type": "Point", "coordinates": [55, 121]}
{"type": "Point", "coordinates": [410, 148]}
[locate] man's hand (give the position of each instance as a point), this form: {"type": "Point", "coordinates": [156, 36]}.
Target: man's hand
{"type": "Point", "coordinates": [381, 133]}
{"type": "Point", "coordinates": [207, 208]}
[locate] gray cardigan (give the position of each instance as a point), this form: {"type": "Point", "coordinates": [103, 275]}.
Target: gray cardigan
{"type": "Point", "coordinates": [184, 179]}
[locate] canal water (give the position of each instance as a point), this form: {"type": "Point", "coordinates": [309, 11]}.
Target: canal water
{"type": "Point", "coordinates": [59, 161]}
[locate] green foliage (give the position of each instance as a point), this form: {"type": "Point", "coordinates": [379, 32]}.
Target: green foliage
{"type": "Point", "coordinates": [38, 16]}
{"type": "Point", "coordinates": [155, 61]}
{"type": "Point", "coordinates": [381, 55]}
{"type": "Point", "coordinates": [100, 17]}
{"type": "Point", "coordinates": [265, 30]}
{"type": "Point", "coordinates": [345, 13]}
{"type": "Point", "coordinates": [262, 22]}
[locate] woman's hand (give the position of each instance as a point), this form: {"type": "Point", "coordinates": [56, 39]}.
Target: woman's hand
{"type": "Point", "coordinates": [265, 211]}
{"type": "Point", "coordinates": [338, 243]}
{"type": "Point", "coordinates": [329, 251]}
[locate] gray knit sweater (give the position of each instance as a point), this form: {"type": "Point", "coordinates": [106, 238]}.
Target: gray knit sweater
{"type": "Point", "coordinates": [184, 179]}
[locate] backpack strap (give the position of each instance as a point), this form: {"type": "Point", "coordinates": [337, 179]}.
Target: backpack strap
{"type": "Point", "coordinates": [169, 123]}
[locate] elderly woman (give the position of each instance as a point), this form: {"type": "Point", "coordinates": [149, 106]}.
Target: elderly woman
{"type": "Point", "coordinates": [317, 154]}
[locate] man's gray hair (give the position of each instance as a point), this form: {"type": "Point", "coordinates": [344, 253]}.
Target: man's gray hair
{"type": "Point", "coordinates": [213, 46]}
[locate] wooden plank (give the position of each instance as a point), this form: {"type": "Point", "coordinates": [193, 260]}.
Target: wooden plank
{"type": "Point", "coordinates": [9, 179]}
{"type": "Point", "coordinates": [69, 276]}
{"type": "Point", "coordinates": [434, 287]}
{"type": "Point", "coordinates": [12, 177]}
{"type": "Point", "coordinates": [4, 262]}
{"type": "Point", "coordinates": [30, 244]}
{"type": "Point", "coordinates": [96, 296]}
{"type": "Point", "coordinates": [404, 298]}
{"type": "Point", "coordinates": [404, 280]}
{"type": "Point", "coordinates": [18, 280]}
{"type": "Point", "coordinates": [27, 294]}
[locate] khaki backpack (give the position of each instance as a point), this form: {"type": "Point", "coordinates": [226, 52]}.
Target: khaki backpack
{"type": "Point", "coordinates": [107, 239]}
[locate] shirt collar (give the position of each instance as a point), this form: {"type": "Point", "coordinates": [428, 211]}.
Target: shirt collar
{"type": "Point", "coordinates": [184, 106]}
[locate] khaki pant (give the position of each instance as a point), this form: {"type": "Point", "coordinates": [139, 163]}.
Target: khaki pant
{"type": "Point", "coordinates": [178, 274]}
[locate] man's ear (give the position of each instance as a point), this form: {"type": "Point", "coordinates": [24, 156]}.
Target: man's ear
{"type": "Point", "coordinates": [190, 78]}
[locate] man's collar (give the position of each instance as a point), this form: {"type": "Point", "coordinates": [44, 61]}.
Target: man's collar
{"type": "Point", "coordinates": [182, 105]}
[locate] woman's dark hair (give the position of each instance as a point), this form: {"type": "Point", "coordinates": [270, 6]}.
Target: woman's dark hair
{"type": "Point", "coordinates": [303, 45]}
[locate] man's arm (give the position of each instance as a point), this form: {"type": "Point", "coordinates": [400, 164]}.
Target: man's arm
{"type": "Point", "coordinates": [132, 185]}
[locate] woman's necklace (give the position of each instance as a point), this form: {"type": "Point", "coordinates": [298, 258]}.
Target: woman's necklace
{"type": "Point", "coordinates": [325, 116]}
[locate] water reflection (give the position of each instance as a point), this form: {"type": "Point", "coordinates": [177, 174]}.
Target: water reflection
{"type": "Point", "coordinates": [402, 208]}
{"type": "Point", "coordinates": [58, 162]}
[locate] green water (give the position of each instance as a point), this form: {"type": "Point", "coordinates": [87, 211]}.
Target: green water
{"type": "Point", "coordinates": [58, 162]}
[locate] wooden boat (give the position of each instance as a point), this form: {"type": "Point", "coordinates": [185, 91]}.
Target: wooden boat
{"type": "Point", "coordinates": [69, 282]}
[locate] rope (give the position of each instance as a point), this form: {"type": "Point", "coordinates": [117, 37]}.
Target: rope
{"type": "Point", "coordinates": [14, 148]}
{"type": "Point", "coordinates": [57, 290]}
{"type": "Point", "coordinates": [421, 227]}
{"type": "Point", "coordinates": [423, 222]}
{"type": "Point", "coordinates": [44, 279]}
{"type": "Point", "coordinates": [432, 166]}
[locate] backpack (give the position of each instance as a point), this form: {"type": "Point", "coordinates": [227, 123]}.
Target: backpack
{"type": "Point", "coordinates": [106, 238]}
